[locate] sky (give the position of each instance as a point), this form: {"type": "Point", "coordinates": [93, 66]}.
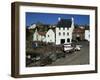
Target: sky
{"type": "Point", "coordinates": [50, 18]}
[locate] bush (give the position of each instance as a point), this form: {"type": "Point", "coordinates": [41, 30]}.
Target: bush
{"type": "Point", "coordinates": [45, 61]}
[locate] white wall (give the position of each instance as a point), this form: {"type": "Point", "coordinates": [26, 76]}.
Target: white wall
{"type": "Point", "coordinates": [59, 37]}
{"type": "Point", "coordinates": [87, 35]}
{"type": "Point", "coordinates": [35, 36]}
{"type": "Point", "coordinates": [5, 41]}
{"type": "Point", "coordinates": [50, 36]}
{"type": "Point", "coordinates": [64, 30]}
{"type": "Point", "coordinates": [38, 37]}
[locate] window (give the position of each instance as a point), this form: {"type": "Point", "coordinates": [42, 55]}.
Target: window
{"type": "Point", "coordinates": [68, 40]}
{"type": "Point", "coordinates": [64, 33]}
{"type": "Point", "coordinates": [67, 34]}
{"type": "Point", "coordinates": [59, 33]}
{"type": "Point", "coordinates": [48, 35]}
{"type": "Point", "coordinates": [59, 28]}
{"type": "Point", "coordinates": [89, 36]}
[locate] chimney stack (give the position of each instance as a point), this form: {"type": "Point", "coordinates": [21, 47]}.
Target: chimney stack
{"type": "Point", "coordinates": [59, 18]}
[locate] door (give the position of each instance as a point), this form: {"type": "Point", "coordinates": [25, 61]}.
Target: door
{"type": "Point", "coordinates": [62, 41]}
{"type": "Point", "coordinates": [68, 40]}
{"type": "Point", "coordinates": [78, 38]}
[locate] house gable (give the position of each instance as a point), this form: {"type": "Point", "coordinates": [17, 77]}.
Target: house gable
{"type": "Point", "coordinates": [50, 36]}
{"type": "Point", "coordinates": [64, 31]}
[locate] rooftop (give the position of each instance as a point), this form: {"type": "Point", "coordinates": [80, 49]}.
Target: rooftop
{"type": "Point", "coordinates": [64, 23]}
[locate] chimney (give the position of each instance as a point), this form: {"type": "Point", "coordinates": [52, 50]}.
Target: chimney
{"type": "Point", "coordinates": [59, 18]}
{"type": "Point", "coordinates": [72, 24]}
{"type": "Point", "coordinates": [72, 19]}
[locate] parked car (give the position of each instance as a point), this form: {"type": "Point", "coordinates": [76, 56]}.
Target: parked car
{"type": "Point", "coordinates": [77, 48]}
{"type": "Point", "coordinates": [68, 48]}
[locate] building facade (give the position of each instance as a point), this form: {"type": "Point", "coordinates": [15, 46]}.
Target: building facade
{"type": "Point", "coordinates": [39, 36]}
{"type": "Point", "coordinates": [61, 35]}
{"type": "Point", "coordinates": [78, 34]}
{"type": "Point", "coordinates": [87, 35]}
{"type": "Point", "coordinates": [50, 36]}
{"type": "Point", "coordinates": [64, 31]}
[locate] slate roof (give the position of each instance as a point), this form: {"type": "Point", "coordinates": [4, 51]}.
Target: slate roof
{"type": "Point", "coordinates": [64, 23]}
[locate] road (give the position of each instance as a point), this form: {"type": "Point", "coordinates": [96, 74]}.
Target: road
{"type": "Point", "coordinates": [77, 58]}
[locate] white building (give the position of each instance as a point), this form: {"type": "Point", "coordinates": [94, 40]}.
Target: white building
{"type": "Point", "coordinates": [39, 36]}
{"type": "Point", "coordinates": [61, 35]}
{"type": "Point", "coordinates": [50, 36]}
{"type": "Point", "coordinates": [87, 35]}
{"type": "Point", "coordinates": [64, 31]}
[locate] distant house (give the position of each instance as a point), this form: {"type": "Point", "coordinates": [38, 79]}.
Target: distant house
{"type": "Point", "coordinates": [50, 36]}
{"type": "Point", "coordinates": [87, 35]}
{"type": "Point", "coordinates": [78, 33]}
{"type": "Point", "coordinates": [64, 31]}
{"type": "Point", "coordinates": [39, 36]}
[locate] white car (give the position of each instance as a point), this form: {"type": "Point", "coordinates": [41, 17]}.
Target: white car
{"type": "Point", "coordinates": [77, 48]}
{"type": "Point", "coordinates": [68, 48]}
